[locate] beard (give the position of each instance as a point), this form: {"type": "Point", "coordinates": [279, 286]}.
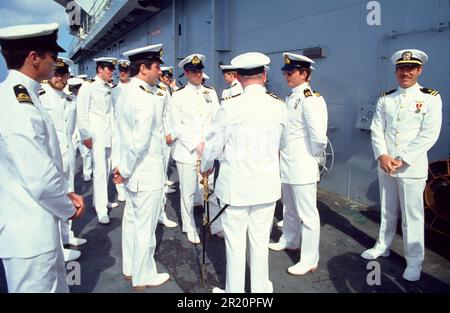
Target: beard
{"type": "Point", "coordinates": [58, 85]}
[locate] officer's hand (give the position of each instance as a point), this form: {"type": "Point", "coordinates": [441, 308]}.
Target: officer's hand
{"type": "Point", "coordinates": [78, 203]}
{"type": "Point", "coordinates": [88, 143]}
{"type": "Point", "coordinates": [117, 179]}
{"type": "Point", "coordinates": [395, 165]}
{"type": "Point", "coordinates": [169, 140]}
{"type": "Point", "coordinates": [208, 172]}
{"type": "Point", "coordinates": [385, 163]}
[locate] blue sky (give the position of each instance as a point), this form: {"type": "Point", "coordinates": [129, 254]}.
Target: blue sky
{"type": "Point", "coordinates": [33, 12]}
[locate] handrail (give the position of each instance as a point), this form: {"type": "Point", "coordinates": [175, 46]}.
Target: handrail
{"type": "Point", "coordinates": [88, 23]}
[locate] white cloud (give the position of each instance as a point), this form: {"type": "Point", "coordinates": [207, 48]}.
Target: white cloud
{"type": "Point", "coordinates": [36, 12]}
{"type": "Point", "coordinates": [30, 11]}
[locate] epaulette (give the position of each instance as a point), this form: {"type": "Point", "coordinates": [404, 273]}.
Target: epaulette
{"type": "Point", "coordinates": [44, 81]}
{"type": "Point", "coordinates": [41, 92]}
{"type": "Point", "coordinates": [69, 98]}
{"type": "Point", "coordinates": [429, 91]}
{"type": "Point", "coordinates": [159, 93]}
{"type": "Point", "coordinates": [388, 92]}
{"type": "Point", "coordinates": [316, 93]}
{"type": "Point", "coordinates": [227, 98]}
{"type": "Point", "coordinates": [114, 86]}
{"type": "Point", "coordinates": [182, 87]}
{"type": "Point", "coordinates": [91, 80]}
{"type": "Point", "coordinates": [307, 92]}
{"type": "Point", "coordinates": [273, 95]}
{"type": "Point", "coordinates": [22, 94]}
{"type": "Point", "coordinates": [209, 87]}
{"type": "Point", "coordinates": [161, 87]}
{"type": "Point", "coordinates": [146, 90]}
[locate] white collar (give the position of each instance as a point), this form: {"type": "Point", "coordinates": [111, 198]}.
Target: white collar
{"type": "Point", "coordinates": [300, 88]}
{"type": "Point", "coordinates": [411, 90]}
{"type": "Point", "coordinates": [194, 87]}
{"type": "Point", "coordinates": [29, 83]}
{"type": "Point", "coordinates": [254, 88]}
{"type": "Point", "coordinates": [140, 82]}
{"type": "Point", "coordinates": [234, 83]}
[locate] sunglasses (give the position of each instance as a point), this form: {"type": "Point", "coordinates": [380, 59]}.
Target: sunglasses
{"type": "Point", "coordinates": [288, 73]}
{"type": "Point", "coordinates": [53, 56]}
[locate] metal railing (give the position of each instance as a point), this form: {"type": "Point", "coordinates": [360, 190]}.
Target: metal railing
{"type": "Point", "coordinates": [88, 23]}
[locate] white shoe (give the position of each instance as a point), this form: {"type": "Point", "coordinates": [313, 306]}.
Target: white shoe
{"type": "Point", "coordinates": [169, 183]}
{"type": "Point", "coordinates": [112, 205]}
{"type": "Point", "coordinates": [301, 269]}
{"type": "Point", "coordinates": [87, 178]}
{"type": "Point", "coordinates": [168, 223]}
{"type": "Point", "coordinates": [280, 246]}
{"type": "Point", "coordinates": [104, 220]}
{"type": "Point", "coordinates": [193, 237]}
{"type": "Point", "coordinates": [77, 241]}
{"type": "Point", "coordinates": [372, 254]}
{"type": "Point", "coordinates": [71, 255]}
{"type": "Point", "coordinates": [170, 190]}
{"type": "Point", "coordinates": [218, 290]}
{"type": "Point", "coordinates": [159, 279]}
{"type": "Point", "coordinates": [412, 273]}
{"type": "Point", "coordinates": [280, 224]}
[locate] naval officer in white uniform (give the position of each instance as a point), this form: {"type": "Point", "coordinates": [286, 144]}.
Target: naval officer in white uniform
{"type": "Point", "coordinates": [305, 142]}
{"type": "Point", "coordinates": [95, 116]}
{"type": "Point", "coordinates": [62, 110]}
{"type": "Point", "coordinates": [234, 86]}
{"type": "Point", "coordinates": [141, 167]}
{"type": "Point", "coordinates": [163, 99]}
{"type": "Point", "coordinates": [36, 196]}
{"type": "Point", "coordinates": [193, 108]}
{"type": "Point", "coordinates": [405, 126]}
{"type": "Point", "coordinates": [248, 130]}
{"type": "Point", "coordinates": [124, 79]}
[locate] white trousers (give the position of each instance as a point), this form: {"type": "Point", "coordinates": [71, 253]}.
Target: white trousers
{"type": "Point", "coordinates": [166, 151]}
{"type": "Point", "coordinates": [189, 180]}
{"type": "Point", "coordinates": [301, 219]}
{"type": "Point", "coordinates": [65, 227]}
{"type": "Point", "coordinates": [101, 161]}
{"type": "Point", "coordinates": [139, 223]}
{"type": "Point", "coordinates": [87, 160]}
{"type": "Point", "coordinates": [120, 191]}
{"type": "Point", "coordinates": [403, 195]}
{"type": "Point", "coordinates": [66, 231]}
{"type": "Point", "coordinates": [42, 273]}
{"type": "Point", "coordinates": [255, 222]}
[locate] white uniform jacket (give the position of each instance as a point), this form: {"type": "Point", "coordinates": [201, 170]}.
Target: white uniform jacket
{"type": "Point", "coordinates": [163, 100]}
{"type": "Point", "coordinates": [141, 150]}
{"type": "Point", "coordinates": [248, 129]}
{"type": "Point", "coordinates": [406, 124]}
{"type": "Point", "coordinates": [116, 91]}
{"type": "Point", "coordinates": [62, 110]}
{"type": "Point", "coordinates": [193, 108]}
{"type": "Point", "coordinates": [233, 90]}
{"type": "Point", "coordinates": [306, 136]}
{"type": "Point", "coordinates": [95, 112]}
{"type": "Point", "coordinates": [34, 191]}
